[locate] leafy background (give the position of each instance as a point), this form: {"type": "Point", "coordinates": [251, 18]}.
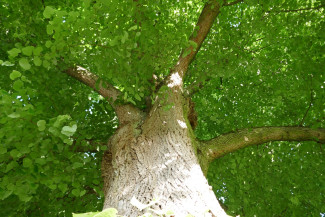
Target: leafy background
{"type": "Point", "coordinates": [261, 65]}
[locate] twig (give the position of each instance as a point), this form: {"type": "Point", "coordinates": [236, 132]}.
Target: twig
{"type": "Point", "coordinates": [297, 10]}
{"type": "Point", "coordinates": [225, 3]}
{"type": "Point", "coordinates": [310, 104]}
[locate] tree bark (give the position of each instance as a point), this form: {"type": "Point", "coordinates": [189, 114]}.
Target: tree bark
{"type": "Point", "coordinates": [155, 158]}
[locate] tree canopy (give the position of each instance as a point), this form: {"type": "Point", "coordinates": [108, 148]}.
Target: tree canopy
{"type": "Point", "coordinates": [261, 65]}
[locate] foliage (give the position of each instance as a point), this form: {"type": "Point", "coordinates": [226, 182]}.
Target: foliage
{"type": "Point", "coordinates": [277, 178]}
{"type": "Point", "coordinates": [261, 65]}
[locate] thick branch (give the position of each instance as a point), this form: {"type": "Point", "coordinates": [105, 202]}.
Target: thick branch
{"type": "Point", "coordinates": [125, 113]}
{"type": "Point", "coordinates": [202, 28]}
{"type": "Point", "coordinates": [231, 142]}
{"type": "Point", "coordinates": [103, 88]}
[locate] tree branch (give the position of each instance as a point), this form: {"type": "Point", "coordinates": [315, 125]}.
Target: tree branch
{"type": "Point", "coordinates": [232, 142]}
{"type": "Point", "coordinates": [202, 28]}
{"type": "Point", "coordinates": [310, 103]}
{"type": "Point", "coordinates": [298, 10]}
{"type": "Point", "coordinates": [125, 113]}
{"type": "Point", "coordinates": [225, 3]}
{"type": "Point", "coordinates": [91, 80]}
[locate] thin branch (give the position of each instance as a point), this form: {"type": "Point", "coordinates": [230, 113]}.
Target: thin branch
{"type": "Point", "coordinates": [225, 3]}
{"type": "Point", "coordinates": [231, 142]}
{"type": "Point", "coordinates": [297, 10]}
{"type": "Point", "coordinates": [310, 104]}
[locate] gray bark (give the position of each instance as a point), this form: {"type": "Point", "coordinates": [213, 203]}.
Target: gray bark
{"type": "Point", "coordinates": [154, 157]}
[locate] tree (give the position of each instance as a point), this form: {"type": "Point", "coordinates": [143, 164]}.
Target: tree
{"type": "Point", "coordinates": [172, 86]}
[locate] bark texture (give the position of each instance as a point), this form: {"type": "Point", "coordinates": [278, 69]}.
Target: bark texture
{"type": "Point", "coordinates": [154, 158]}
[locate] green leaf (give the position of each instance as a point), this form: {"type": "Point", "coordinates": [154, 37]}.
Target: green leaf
{"type": "Point", "coordinates": [18, 85]}
{"type": "Point", "coordinates": [27, 162]}
{"type": "Point", "coordinates": [23, 62]}
{"type": "Point", "coordinates": [48, 12]}
{"type": "Point", "coordinates": [69, 131]}
{"type": "Point", "coordinates": [76, 192]}
{"type": "Point", "coordinates": [14, 115]}
{"type": "Point", "coordinates": [14, 153]}
{"type": "Point", "coordinates": [15, 74]}
{"type": "Point", "coordinates": [24, 79]}
{"type": "Point", "coordinates": [37, 61]}
{"type": "Point", "coordinates": [186, 53]}
{"type": "Point", "coordinates": [295, 200]}
{"type": "Point", "coordinates": [52, 186]}
{"type": "Point", "coordinates": [137, 97]}
{"type": "Point", "coordinates": [88, 214]}
{"type": "Point", "coordinates": [11, 165]}
{"type": "Point", "coordinates": [46, 64]}
{"type": "Point", "coordinates": [60, 120]}
{"type": "Point", "coordinates": [5, 194]}
{"type": "Point", "coordinates": [113, 42]}
{"type": "Point", "coordinates": [14, 52]}
{"type": "Point", "coordinates": [131, 101]}
{"type": "Point", "coordinates": [82, 193]}
{"type": "Point", "coordinates": [25, 197]}
{"type": "Point", "coordinates": [103, 147]}
{"type": "Point", "coordinates": [110, 212]}
{"type": "Point", "coordinates": [48, 44]}
{"type": "Point", "coordinates": [63, 187]}
{"type": "Point", "coordinates": [193, 44]}
{"type": "Point", "coordinates": [49, 29]}
{"type": "Point", "coordinates": [68, 141]}
{"type": "Point", "coordinates": [41, 125]}
{"type": "Point", "coordinates": [7, 63]}
{"type": "Point", "coordinates": [28, 50]}
{"type": "Point", "coordinates": [40, 161]}
{"type": "Point", "coordinates": [3, 150]}
{"type": "Point", "coordinates": [133, 28]}
{"type": "Point", "coordinates": [77, 165]}
{"type": "Point", "coordinates": [37, 51]}
{"type": "Point", "coordinates": [124, 37]}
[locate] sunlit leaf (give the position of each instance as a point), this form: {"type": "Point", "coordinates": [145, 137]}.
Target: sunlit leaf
{"type": "Point", "coordinates": [23, 62]}
{"type": "Point", "coordinates": [15, 74]}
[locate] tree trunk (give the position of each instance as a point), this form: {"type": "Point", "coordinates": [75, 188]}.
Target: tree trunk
{"type": "Point", "coordinates": [154, 157]}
